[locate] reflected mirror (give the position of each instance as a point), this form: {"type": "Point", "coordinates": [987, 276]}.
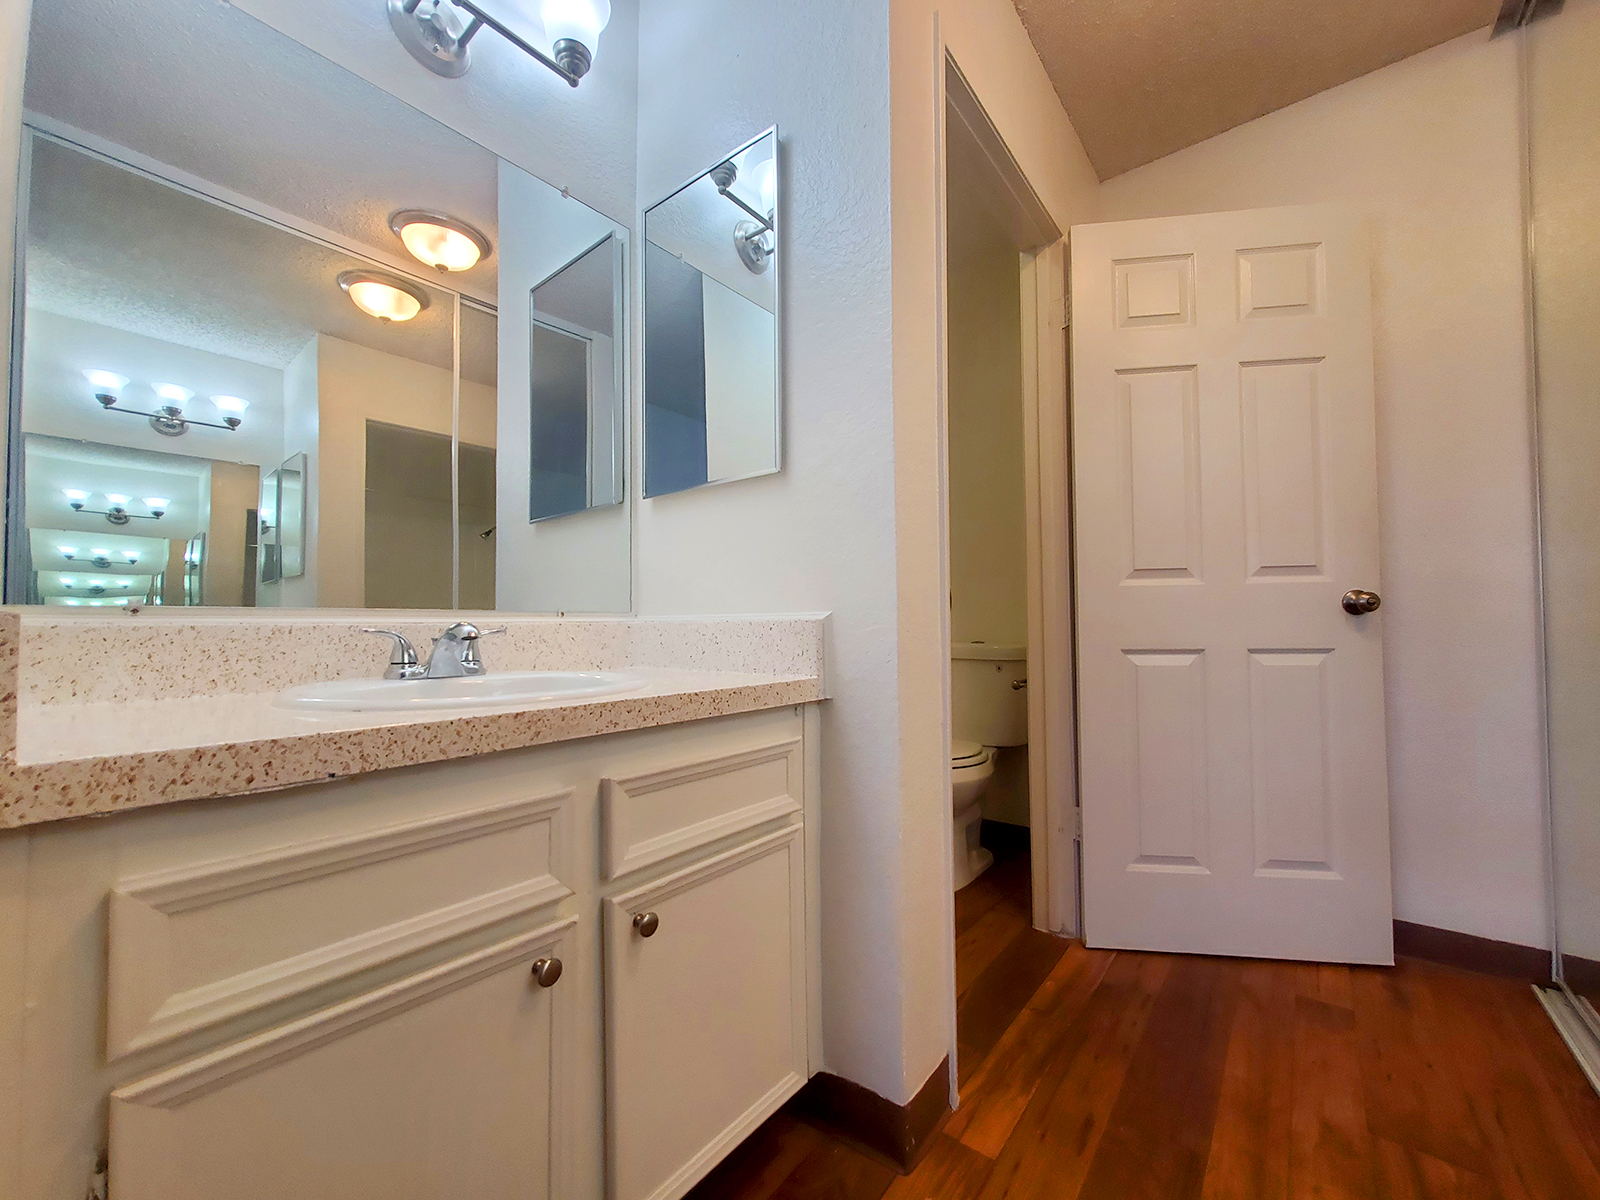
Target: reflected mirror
{"type": "Point", "coordinates": [234, 384]}
{"type": "Point", "coordinates": [712, 409]}
{"type": "Point", "coordinates": [575, 397]}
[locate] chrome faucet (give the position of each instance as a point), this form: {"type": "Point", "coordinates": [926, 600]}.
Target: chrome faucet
{"type": "Point", "coordinates": [455, 654]}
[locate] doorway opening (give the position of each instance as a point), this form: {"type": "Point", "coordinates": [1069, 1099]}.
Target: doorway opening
{"type": "Point", "coordinates": [1014, 862]}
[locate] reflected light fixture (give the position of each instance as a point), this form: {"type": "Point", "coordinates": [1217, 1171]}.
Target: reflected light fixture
{"type": "Point", "coordinates": [440, 241]}
{"type": "Point", "coordinates": [438, 33]}
{"type": "Point", "coordinates": [116, 510]}
{"type": "Point", "coordinates": [106, 381]}
{"type": "Point", "coordinates": [168, 420]}
{"type": "Point", "coordinates": [379, 294]}
{"type": "Point", "coordinates": [752, 238]}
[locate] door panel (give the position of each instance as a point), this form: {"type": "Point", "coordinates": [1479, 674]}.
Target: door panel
{"type": "Point", "coordinates": [1233, 762]}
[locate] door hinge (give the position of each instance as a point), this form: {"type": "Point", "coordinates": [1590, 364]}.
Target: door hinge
{"type": "Point", "coordinates": [1077, 823]}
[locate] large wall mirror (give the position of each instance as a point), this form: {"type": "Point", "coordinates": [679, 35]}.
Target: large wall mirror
{"type": "Point", "coordinates": [286, 341]}
{"type": "Point", "coordinates": [712, 410]}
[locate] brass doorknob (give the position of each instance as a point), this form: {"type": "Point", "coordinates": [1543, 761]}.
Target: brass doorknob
{"type": "Point", "coordinates": [1357, 602]}
{"type": "Point", "coordinates": [546, 971]}
{"type": "Point", "coordinates": [646, 923]}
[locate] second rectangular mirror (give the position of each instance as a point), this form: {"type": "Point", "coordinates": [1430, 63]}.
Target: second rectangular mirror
{"type": "Point", "coordinates": [712, 410]}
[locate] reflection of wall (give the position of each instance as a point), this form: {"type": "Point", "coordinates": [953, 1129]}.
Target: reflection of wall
{"type": "Point", "coordinates": [988, 517]}
{"type": "Point", "coordinates": [741, 385]}
{"type": "Point", "coordinates": [577, 563]}
{"type": "Point", "coordinates": [356, 385]}
{"type": "Point", "coordinates": [709, 377]}
{"type": "Point", "coordinates": [988, 520]}
{"type": "Point", "coordinates": [1429, 150]}
{"type": "Point", "coordinates": [234, 490]}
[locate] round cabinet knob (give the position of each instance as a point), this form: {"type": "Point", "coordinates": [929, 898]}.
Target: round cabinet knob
{"type": "Point", "coordinates": [546, 971]}
{"type": "Point", "coordinates": [1357, 602]}
{"type": "Point", "coordinates": [646, 923]}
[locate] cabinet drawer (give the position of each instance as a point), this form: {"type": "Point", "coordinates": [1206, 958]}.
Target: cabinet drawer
{"type": "Point", "coordinates": [205, 942]}
{"type": "Point", "coordinates": [647, 818]}
{"type": "Point", "coordinates": [450, 1082]}
{"type": "Point", "coordinates": [705, 1016]}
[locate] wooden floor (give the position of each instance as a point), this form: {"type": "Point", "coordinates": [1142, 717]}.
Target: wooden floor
{"type": "Point", "coordinates": [1162, 1076]}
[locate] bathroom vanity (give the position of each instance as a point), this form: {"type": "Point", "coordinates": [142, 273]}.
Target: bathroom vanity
{"type": "Point", "coordinates": [568, 950]}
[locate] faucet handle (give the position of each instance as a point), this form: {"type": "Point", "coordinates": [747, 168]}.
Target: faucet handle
{"type": "Point", "coordinates": [470, 658]}
{"type": "Point", "coordinates": [402, 654]}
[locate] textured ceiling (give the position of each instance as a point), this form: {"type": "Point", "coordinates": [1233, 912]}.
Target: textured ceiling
{"type": "Point", "coordinates": [1142, 78]}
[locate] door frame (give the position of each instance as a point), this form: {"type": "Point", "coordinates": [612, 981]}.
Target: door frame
{"type": "Point", "coordinates": [1052, 719]}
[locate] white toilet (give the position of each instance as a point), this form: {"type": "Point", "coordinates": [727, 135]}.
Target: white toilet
{"type": "Point", "coordinates": [989, 709]}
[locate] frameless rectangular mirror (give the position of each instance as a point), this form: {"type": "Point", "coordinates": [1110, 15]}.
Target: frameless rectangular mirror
{"type": "Point", "coordinates": [260, 360]}
{"type": "Point", "coordinates": [712, 410]}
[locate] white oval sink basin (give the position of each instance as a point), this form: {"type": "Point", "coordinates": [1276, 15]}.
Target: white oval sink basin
{"type": "Point", "coordinates": [502, 689]}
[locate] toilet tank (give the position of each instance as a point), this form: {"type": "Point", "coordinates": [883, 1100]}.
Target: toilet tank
{"type": "Point", "coordinates": [985, 707]}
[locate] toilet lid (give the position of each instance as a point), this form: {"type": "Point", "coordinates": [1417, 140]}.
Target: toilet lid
{"type": "Point", "coordinates": [965, 752]}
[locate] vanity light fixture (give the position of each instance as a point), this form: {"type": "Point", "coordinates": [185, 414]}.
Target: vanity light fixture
{"type": "Point", "coordinates": [168, 420]}
{"type": "Point", "coordinates": [440, 241]}
{"type": "Point", "coordinates": [438, 36]}
{"type": "Point", "coordinates": [116, 510]}
{"type": "Point", "coordinates": [68, 552]}
{"type": "Point", "coordinates": [382, 295]}
{"type": "Point", "coordinates": [752, 238]}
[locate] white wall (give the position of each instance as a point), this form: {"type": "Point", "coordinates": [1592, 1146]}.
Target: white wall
{"type": "Point", "coordinates": [1429, 148]}
{"type": "Point", "coordinates": [851, 524]}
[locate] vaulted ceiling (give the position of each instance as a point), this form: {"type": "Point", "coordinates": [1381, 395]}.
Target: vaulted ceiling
{"type": "Point", "coordinates": [1142, 78]}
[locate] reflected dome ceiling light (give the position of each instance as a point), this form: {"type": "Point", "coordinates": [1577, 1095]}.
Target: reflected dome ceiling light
{"type": "Point", "coordinates": [379, 294]}
{"type": "Point", "coordinates": [440, 241]}
{"type": "Point", "coordinates": [437, 33]}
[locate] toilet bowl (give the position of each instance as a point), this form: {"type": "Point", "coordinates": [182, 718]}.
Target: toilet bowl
{"type": "Point", "coordinates": [989, 709]}
{"type": "Point", "coordinates": [971, 768]}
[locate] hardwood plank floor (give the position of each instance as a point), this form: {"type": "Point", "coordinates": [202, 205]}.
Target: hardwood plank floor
{"type": "Point", "coordinates": [1149, 1075]}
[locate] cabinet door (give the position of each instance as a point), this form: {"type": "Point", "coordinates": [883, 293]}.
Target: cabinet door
{"type": "Point", "coordinates": [446, 1083]}
{"type": "Point", "coordinates": [705, 1028]}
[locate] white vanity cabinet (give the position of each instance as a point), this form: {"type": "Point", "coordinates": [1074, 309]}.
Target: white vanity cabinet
{"type": "Point", "coordinates": [362, 1003]}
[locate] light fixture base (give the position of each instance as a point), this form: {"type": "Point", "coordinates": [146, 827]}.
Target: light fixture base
{"type": "Point", "coordinates": [754, 244]}
{"type": "Point", "coordinates": [573, 57]}
{"type": "Point", "coordinates": [433, 35]}
{"type": "Point", "coordinates": [116, 517]}
{"type": "Point", "coordinates": [169, 423]}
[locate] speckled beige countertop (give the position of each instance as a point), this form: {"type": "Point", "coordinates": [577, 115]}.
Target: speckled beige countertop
{"type": "Point", "coordinates": [103, 715]}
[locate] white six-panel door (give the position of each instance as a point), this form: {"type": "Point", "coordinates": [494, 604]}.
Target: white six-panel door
{"type": "Point", "coordinates": [1234, 787]}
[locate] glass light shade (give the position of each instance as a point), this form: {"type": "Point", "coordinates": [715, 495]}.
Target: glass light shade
{"type": "Point", "coordinates": [117, 498]}
{"type": "Point", "coordinates": [131, 555]}
{"type": "Point", "coordinates": [580, 20]}
{"type": "Point", "coordinates": [380, 298]}
{"type": "Point", "coordinates": [67, 551]}
{"type": "Point", "coordinates": [75, 493]}
{"type": "Point", "coordinates": [230, 404]}
{"type": "Point", "coordinates": [766, 183]}
{"type": "Point", "coordinates": [106, 381]}
{"type": "Point", "coordinates": [440, 246]}
{"type": "Point", "coordinates": [100, 553]}
{"type": "Point", "coordinates": [156, 502]}
{"type": "Point", "coordinates": [174, 395]}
